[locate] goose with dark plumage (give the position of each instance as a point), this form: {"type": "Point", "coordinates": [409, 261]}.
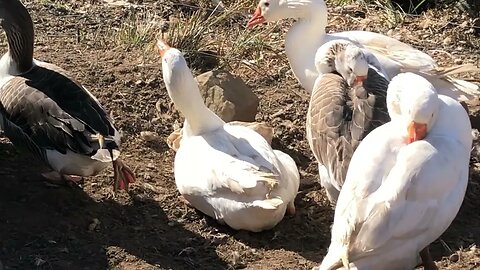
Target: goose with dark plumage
{"type": "Point", "coordinates": [49, 114]}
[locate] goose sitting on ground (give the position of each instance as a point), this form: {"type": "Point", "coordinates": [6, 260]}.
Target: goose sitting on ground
{"type": "Point", "coordinates": [405, 184]}
{"type": "Point", "coordinates": [228, 172]}
{"type": "Point", "coordinates": [342, 111]}
{"type": "Point", "coordinates": [308, 34]}
{"type": "Point", "coordinates": [48, 113]}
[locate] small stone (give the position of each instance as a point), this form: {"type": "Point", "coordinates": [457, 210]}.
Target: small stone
{"type": "Point", "coordinates": [139, 83]}
{"type": "Point", "coordinates": [464, 24]}
{"type": "Point", "coordinates": [152, 82]}
{"type": "Point", "coordinates": [171, 223]}
{"type": "Point", "coordinates": [228, 96]}
{"type": "Point", "coordinates": [92, 226]}
{"type": "Point", "coordinates": [156, 120]}
{"type": "Point", "coordinates": [149, 136]}
{"type": "Point", "coordinates": [448, 41]}
{"type": "Point", "coordinates": [219, 239]}
{"type": "Point", "coordinates": [457, 61]}
{"type": "Point", "coordinates": [39, 261]}
{"type": "Point", "coordinates": [390, 33]}
{"type": "Point", "coordinates": [454, 257]}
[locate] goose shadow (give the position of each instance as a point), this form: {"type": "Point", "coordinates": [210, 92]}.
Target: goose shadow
{"type": "Point", "coordinates": [63, 228]}
{"type": "Point", "coordinates": [306, 233]}
{"type": "Point", "coordinates": [465, 228]}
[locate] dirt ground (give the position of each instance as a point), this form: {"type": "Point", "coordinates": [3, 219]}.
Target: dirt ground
{"type": "Point", "coordinates": [47, 227]}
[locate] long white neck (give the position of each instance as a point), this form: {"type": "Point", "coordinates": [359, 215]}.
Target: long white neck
{"type": "Point", "coordinates": [302, 41]}
{"type": "Point", "coordinates": [185, 94]}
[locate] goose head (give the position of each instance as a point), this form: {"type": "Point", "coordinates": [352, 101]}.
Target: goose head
{"type": "Point", "coordinates": [345, 58]}
{"type": "Point", "coordinates": [185, 93]}
{"type": "Point", "coordinates": [413, 102]}
{"type": "Point", "coordinates": [275, 10]}
{"type": "Point", "coordinates": [178, 78]}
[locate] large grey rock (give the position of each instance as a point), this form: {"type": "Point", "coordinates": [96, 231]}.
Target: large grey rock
{"type": "Point", "coordinates": [228, 96]}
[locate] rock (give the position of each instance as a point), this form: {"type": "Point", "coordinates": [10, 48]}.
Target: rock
{"type": "Point", "coordinates": [448, 41]}
{"type": "Point", "coordinates": [228, 96]}
{"type": "Point", "coordinates": [92, 226]}
{"type": "Point", "coordinates": [149, 136]}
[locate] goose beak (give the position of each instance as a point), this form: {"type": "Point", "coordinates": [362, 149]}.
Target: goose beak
{"type": "Point", "coordinates": [257, 18]}
{"type": "Point", "coordinates": [162, 47]}
{"type": "Point", "coordinates": [416, 131]}
{"type": "Point", "coordinates": [359, 80]}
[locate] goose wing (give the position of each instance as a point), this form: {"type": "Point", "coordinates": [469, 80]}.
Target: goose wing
{"type": "Point", "coordinates": [339, 118]}
{"type": "Point", "coordinates": [54, 112]}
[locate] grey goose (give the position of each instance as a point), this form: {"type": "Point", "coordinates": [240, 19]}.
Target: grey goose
{"type": "Point", "coordinates": [48, 113]}
{"type": "Point", "coordinates": [347, 102]}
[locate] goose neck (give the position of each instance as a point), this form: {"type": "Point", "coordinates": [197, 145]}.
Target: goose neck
{"type": "Point", "coordinates": [189, 102]}
{"type": "Point", "coordinates": [18, 27]}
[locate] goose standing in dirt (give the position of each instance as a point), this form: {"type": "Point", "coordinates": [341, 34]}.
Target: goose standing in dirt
{"type": "Point", "coordinates": [48, 113]}
{"type": "Point", "coordinates": [405, 184]}
{"type": "Point", "coordinates": [342, 111]}
{"type": "Point", "coordinates": [308, 34]}
{"type": "Point", "coordinates": [228, 172]}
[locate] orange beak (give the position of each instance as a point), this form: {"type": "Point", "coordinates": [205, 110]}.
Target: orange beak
{"type": "Point", "coordinates": [416, 132]}
{"type": "Point", "coordinates": [257, 18]}
{"type": "Point", "coordinates": [359, 80]}
{"type": "Point", "coordinates": [162, 47]}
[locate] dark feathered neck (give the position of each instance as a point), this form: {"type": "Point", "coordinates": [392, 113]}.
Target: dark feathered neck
{"type": "Point", "coordinates": [18, 26]}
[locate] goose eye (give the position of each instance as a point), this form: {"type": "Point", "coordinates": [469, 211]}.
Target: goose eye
{"type": "Point", "coordinates": [266, 4]}
{"type": "Point", "coordinates": [350, 70]}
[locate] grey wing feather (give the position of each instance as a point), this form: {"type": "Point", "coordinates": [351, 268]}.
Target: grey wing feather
{"type": "Point", "coordinates": [55, 112]}
{"type": "Point", "coordinates": [19, 138]}
{"type": "Point", "coordinates": [339, 118]}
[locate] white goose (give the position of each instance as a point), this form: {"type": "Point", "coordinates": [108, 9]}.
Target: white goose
{"type": "Point", "coordinates": [308, 34]}
{"type": "Point", "coordinates": [405, 183]}
{"type": "Point", "coordinates": [228, 172]}
{"type": "Point", "coordinates": [342, 111]}
{"type": "Point", "coordinates": [48, 113]}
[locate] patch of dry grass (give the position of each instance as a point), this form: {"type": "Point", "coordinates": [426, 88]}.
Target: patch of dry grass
{"type": "Point", "coordinates": [138, 29]}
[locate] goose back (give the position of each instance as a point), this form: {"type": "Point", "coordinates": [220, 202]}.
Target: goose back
{"type": "Point", "coordinates": [55, 112]}
{"type": "Point", "coordinates": [339, 118]}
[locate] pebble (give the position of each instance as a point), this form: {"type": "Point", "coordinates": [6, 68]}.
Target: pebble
{"type": "Point", "coordinates": [447, 41]}
{"type": "Point", "coordinates": [454, 257]}
{"type": "Point", "coordinates": [39, 261]}
{"type": "Point", "coordinates": [92, 226]}
{"type": "Point", "coordinates": [149, 136]}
